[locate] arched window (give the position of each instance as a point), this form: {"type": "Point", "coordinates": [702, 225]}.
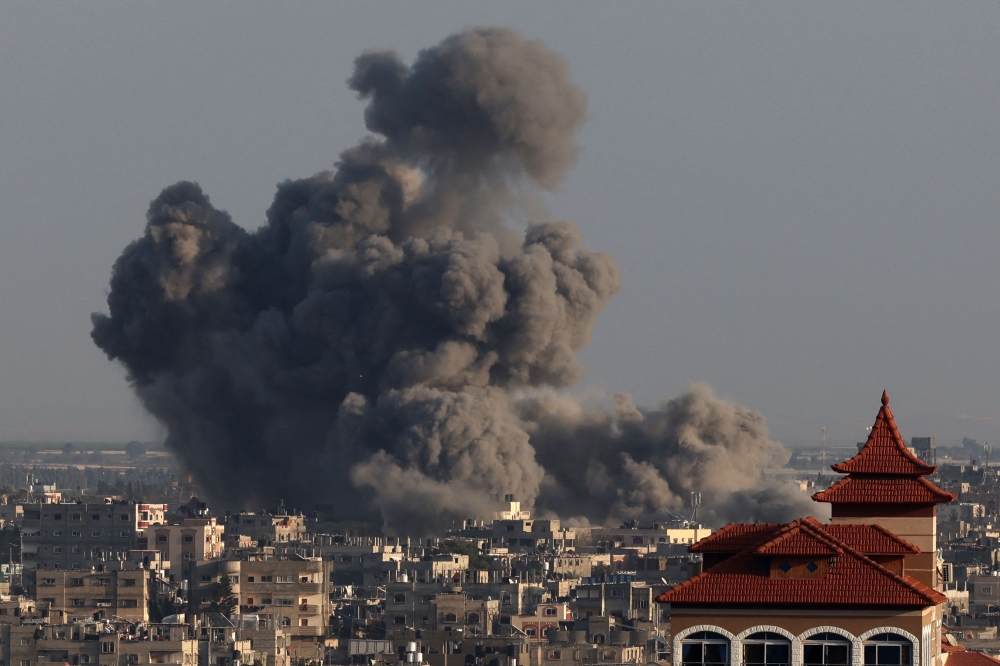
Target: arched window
{"type": "Point", "coordinates": [826, 649]}
{"type": "Point", "coordinates": [473, 618]}
{"type": "Point", "coordinates": [705, 648]}
{"type": "Point", "coordinates": [530, 631]}
{"type": "Point", "coordinates": [450, 617]}
{"type": "Point", "coordinates": [766, 647]}
{"type": "Point", "coordinates": [888, 649]}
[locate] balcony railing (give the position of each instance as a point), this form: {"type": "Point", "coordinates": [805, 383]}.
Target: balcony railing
{"type": "Point", "coordinates": [306, 631]}
{"type": "Point", "coordinates": [309, 588]}
{"type": "Point", "coordinates": [309, 608]}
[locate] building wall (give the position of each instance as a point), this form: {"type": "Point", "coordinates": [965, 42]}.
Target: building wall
{"type": "Point", "coordinates": [797, 622]}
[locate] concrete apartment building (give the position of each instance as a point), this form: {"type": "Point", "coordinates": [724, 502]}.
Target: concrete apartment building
{"type": "Point", "coordinates": [525, 534]}
{"type": "Point", "coordinates": [83, 595]}
{"type": "Point", "coordinates": [77, 536]}
{"type": "Point", "coordinates": [190, 540]}
{"type": "Point", "coordinates": [292, 593]}
{"type": "Point", "coordinates": [265, 528]}
{"type": "Point", "coordinates": [625, 600]}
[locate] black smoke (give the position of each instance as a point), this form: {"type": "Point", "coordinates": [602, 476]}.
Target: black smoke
{"type": "Point", "coordinates": [376, 344]}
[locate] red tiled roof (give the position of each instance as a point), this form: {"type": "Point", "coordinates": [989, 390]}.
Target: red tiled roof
{"type": "Point", "coordinates": [867, 539]}
{"type": "Point", "coordinates": [881, 490]}
{"type": "Point", "coordinates": [871, 539]}
{"type": "Point", "coordinates": [793, 540]}
{"type": "Point", "coordinates": [736, 537]}
{"type": "Point", "coordinates": [851, 579]}
{"type": "Point", "coordinates": [885, 452]}
{"type": "Point", "coordinates": [966, 658]}
{"type": "Point", "coordinates": [948, 647]}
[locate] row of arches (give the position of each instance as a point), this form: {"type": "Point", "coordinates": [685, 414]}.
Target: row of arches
{"type": "Point", "coordinates": [768, 645]}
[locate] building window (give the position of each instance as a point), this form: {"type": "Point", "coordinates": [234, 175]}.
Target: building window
{"type": "Point", "coordinates": [187, 537]}
{"type": "Point", "coordinates": [450, 617]}
{"type": "Point", "coordinates": [56, 532]}
{"type": "Point", "coordinates": [75, 549]}
{"type": "Point", "coordinates": [77, 533]}
{"type": "Point", "coordinates": [550, 611]}
{"type": "Point", "coordinates": [161, 538]}
{"type": "Point", "coordinates": [249, 579]}
{"type": "Point", "coordinates": [986, 589]}
{"type": "Point", "coordinates": [531, 631]}
{"type": "Point", "coordinates": [79, 602]}
{"type": "Point", "coordinates": [399, 599]}
{"type": "Point", "coordinates": [473, 618]}
{"type": "Point", "coordinates": [123, 533]}
{"type": "Point", "coordinates": [108, 647]}
{"type": "Point", "coordinates": [826, 650]}
{"type": "Point", "coordinates": [25, 641]}
{"type": "Point", "coordinates": [84, 658]}
{"type": "Point", "coordinates": [888, 649]}
{"type": "Point", "coordinates": [95, 533]}
{"type": "Point", "coordinates": [267, 579]}
{"type": "Point", "coordinates": [129, 603]}
{"type": "Point", "coordinates": [57, 549]}
{"type": "Point", "coordinates": [128, 582]}
{"type": "Point", "coordinates": [705, 647]}
{"type": "Point", "coordinates": [133, 658]}
{"type": "Point", "coordinates": [124, 517]}
{"type": "Point", "coordinates": [768, 648]}
{"type": "Point", "coordinates": [555, 654]}
{"type": "Point", "coordinates": [25, 662]}
{"type": "Point", "coordinates": [346, 559]}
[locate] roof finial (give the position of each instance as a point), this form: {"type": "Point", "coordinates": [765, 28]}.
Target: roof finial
{"type": "Point", "coordinates": [885, 399]}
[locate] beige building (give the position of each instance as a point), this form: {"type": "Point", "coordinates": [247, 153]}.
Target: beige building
{"type": "Point", "coordinates": [265, 528]}
{"type": "Point", "coordinates": [77, 536]}
{"type": "Point", "coordinates": [192, 540]}
{"type": "Point", "coordinates": [292, 593]}
{"type": "Point", "coordinates": [82, 596]}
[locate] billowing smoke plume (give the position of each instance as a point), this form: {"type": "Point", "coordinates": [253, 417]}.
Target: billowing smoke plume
{"type": "Point", "coordinates": [362, 348]}
{"type": "Point", "coordinates": [636, 463]}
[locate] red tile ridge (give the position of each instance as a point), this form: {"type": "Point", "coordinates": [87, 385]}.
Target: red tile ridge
{"type": "Point", "coordinates": [864, 489]}
{"type": "Point", "coordinates": [885, 452]}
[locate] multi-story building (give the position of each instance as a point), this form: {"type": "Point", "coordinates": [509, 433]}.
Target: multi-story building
{"type": "Point", "coordinates": [859, 590]}
{"type": "Point", "coordinates": [190, 540]}
{"type": "Point", "coordinates": [266, 528]}
{"type": "Point", "coordinates": [83, 595]}
{"type": "Point", "coordinates": [294, 593]}
{"type": "Point", "coordinates": [78, 536]}
{"type": "Point", "coordinates": [525, 534]}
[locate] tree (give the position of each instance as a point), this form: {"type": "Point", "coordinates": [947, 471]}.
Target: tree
{"type": "Point", "coordinates": [224, 600]}
{"type": "Point", "coordinates": [461, 547]}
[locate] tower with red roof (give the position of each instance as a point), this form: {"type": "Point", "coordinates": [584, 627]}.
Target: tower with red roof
{"type": "Point", "coordinates": [886, 485]}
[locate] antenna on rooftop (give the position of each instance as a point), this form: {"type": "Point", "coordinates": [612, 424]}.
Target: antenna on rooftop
{"type": "Point", "coordinates": [987, 449]}
{"type": "Point", "coordinates": [822, 469]}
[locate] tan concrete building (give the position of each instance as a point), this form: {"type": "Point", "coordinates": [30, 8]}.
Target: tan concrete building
{"type": "Point", "coordinates": [88, 595]}
{"type": "Point", "coordinates": [191, 540]}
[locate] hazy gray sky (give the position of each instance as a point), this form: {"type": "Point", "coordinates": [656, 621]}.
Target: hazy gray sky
{"type": "Point", "coordinates": [803, 197]}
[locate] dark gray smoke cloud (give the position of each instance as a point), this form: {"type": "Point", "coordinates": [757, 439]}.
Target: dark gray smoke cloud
{"type": "Point", "coordinates": [642, 463]}
{"type": "Point", "coordinates": [362, 348]}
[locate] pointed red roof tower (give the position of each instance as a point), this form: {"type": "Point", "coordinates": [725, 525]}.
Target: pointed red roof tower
{"type": "Point", "coordinates": [885, 485]}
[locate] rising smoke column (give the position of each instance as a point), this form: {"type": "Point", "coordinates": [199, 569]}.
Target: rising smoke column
{"type": "Point", "coordinates": [634, 463]}
{"type": "Point", "coordinates": [363, 347]}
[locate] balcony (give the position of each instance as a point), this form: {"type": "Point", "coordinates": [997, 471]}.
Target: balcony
{"type": "Point", "coordinates": [308, 588]}
{"type": "Point", "coordinates": [309, 609]}
{"type": "Point", "coordinates": [305, 631]}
